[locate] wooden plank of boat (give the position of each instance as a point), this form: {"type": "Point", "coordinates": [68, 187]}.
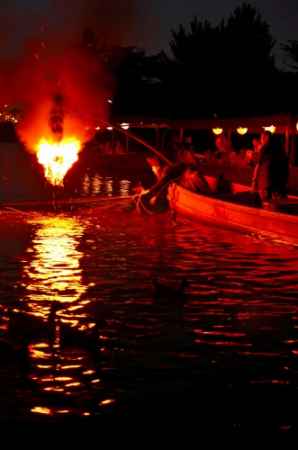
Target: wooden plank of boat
{"type": "Point", "coordinates": [275, 224]}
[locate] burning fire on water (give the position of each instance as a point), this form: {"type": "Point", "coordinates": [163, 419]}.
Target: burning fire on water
{"type": "Point", "coordinates": [63, 96]}
{"type": "Point", "coordinates": [57, 158]}
{"type": "Point", "coordinates": [58, 153]}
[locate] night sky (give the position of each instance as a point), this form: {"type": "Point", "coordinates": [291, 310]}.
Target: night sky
{"type": "Point", "coordinates": [146, 23]}
{"type": "Point", "coordinates": [282, 15]}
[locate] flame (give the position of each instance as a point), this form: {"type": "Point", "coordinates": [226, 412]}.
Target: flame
{"type": "Point", "coordinates": [57, 157]}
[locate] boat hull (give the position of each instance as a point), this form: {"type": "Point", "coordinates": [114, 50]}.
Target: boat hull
{"type": "Point", "coordinates": [277, 225]}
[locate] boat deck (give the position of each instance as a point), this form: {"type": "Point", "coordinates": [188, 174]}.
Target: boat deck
{"type": "Point", "coordinates": [286, 206]}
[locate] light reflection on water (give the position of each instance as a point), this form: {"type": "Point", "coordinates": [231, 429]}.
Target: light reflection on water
{"type": "Point", "coordinates": [96, 184]}
{"type": "Point", "coordinates": [110, 337]}
{"type": "Point", "coordinates": [53, 271]}
{"type": "Point", "coordinates": [52, 274]}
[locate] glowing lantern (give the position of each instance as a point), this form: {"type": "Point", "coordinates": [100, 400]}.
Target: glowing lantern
{"type": "Point", "coordinates": [110, 128]}
{"type": "Point", "coordinates": [57, 158]}
{"type": "Point", "coordinates": [297, 126]}
{"type": "Point", "coordinates": [124, 126]}
{"type": "Point", "coordinates": [217, 131]}
{"type": "Point", "coordinates": [242, 130]}
{"type": "Point", "coordinates": [271, 129]}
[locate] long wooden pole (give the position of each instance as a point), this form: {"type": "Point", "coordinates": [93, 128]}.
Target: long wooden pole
{"type": "Point", "coordinates": [140, 141]}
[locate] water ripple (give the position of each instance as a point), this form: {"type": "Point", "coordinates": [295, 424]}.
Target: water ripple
{"type": "Point", "coordinates": [107, 339]}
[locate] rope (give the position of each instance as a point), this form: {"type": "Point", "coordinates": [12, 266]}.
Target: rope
{"type": "Point", "coordinates": [140, 204]}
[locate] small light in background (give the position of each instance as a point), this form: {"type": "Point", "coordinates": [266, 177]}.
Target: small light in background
{"type": "Point", "coordinates": [242, 130]}
{"type": "Point", "coordinates": [271, 129]}
{"type": "Point", "coordinates": [217, 131]}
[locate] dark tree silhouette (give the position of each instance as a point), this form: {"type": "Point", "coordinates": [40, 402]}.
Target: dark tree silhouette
{"type": "Point", "coordinates": [224, 68]}
{"type": "Point", "coordinates": [135, 75]}
{"type": "Point", "coordinates": [227, 68]}
{"type": "Point", "coordinates": [291, 51]}
{"type": "Point", "coordinates": [289, 78]}
{"type": "Point", "coordinates": [248, 41]}
{"type": "Point", "coordinates": [197, 45]}
{"type": "Point", "coordinates": [138, 83]}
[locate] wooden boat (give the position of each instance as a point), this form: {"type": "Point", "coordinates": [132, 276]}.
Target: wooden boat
{"type": "Point", "coordinates": [281, 225]}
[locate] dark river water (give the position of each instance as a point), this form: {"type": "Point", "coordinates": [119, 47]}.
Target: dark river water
{"type": "Point", "coordinates": [109, 347]}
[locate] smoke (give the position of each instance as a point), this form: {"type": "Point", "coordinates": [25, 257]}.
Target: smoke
{"type": "Point", "coordinates": [47, 57]}
{"type": "Point", "coordinates": [75, 76]}
{"type": "Point", "coordinates": [114, 21]}
{"type": "Point", "coordinates": [58, 22]}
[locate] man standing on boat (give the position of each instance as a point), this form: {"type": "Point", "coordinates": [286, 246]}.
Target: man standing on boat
{"type": "Point", "coordinates": [271, 172]}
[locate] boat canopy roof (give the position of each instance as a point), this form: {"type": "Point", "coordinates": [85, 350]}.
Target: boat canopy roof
{"type": "Point", "coordinates": [282, 123]}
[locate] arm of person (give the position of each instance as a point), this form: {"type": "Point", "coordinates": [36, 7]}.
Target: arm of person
{"type": "Point", "coordinates": [254, 184]}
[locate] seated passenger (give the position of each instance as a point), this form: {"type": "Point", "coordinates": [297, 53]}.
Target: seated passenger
{"type": "Point", "coordinates": [194, 181]}
{"type": "Point", "coordinates": [185, 154]}
{"type": "Point", "coordinates": [223, 148]}
{"type": "Point", "coordinates": [191, 178]}
{"type": "Point", "coordinates": [271, 172]}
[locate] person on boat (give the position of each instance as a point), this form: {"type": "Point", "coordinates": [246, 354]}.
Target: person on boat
{"type": "Point", "coordinates": [155, 199]}
{"type": "Point", "coordinates": [193, 180]}
{"type": "Point", "coordinates": [157, 168]}
{"type": "Point", "coordinates": [257, 145]}
{"type": "Point", "coordinates": [225, 156]}
{"type": "Point", "coordinates": [252, 154]}
{"type": "Point", "coordinates": [182, 172]}
{"type": "Point", "coordinates": [186, 154]}
{"type": "Point", "coordinates": [223, 148]}
{"type": "Point", "coordinates": [173, 148]}
{"type": "Point", "coordinates": [191, 177]}
{"type": "Point", "coordinates": [270, 176]}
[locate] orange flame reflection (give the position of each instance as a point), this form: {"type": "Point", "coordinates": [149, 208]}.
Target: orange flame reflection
{"type": "Point", "coordinates": [54, 272]}
{"type": "Point", "coordinates": [57, 158]}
